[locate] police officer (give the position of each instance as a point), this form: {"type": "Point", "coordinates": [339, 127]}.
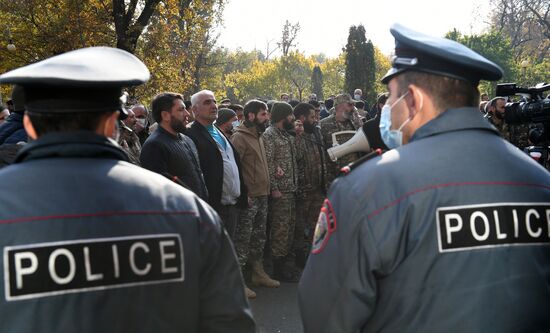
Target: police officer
{"type": "Point", "coordinates": [449, 231]}
{"type": "Point", "coordinates": [77, 254]}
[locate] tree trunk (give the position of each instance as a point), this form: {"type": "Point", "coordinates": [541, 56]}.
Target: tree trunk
{"type": "Point", "coordinates": [127, 29]}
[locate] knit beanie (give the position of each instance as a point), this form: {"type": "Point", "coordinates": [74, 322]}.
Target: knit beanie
{"type": "Point", "coordinates": [225, 115]}
{"type": "Point", "coordinates": [280, 111]}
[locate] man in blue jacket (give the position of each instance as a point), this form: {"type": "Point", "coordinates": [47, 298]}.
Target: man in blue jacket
{"type": "Point", "coordinates": [449, 231]}
{"type": "Point", "coordinates": [77, 255]}
{"type": "Point", "coordinates": [12, 130]}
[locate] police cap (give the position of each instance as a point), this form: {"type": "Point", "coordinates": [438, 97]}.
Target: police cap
{"type": "Point", "coordinates": [84, 80]}
{"type": "Point", "coordinates": [440, 56]}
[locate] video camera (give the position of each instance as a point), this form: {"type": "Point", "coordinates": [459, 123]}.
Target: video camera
{"type": "Point", "coordinates": [533, 109]}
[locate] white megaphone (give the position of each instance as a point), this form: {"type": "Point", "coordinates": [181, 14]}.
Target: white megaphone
{"type": "Point", "coordinates": [358, 143]}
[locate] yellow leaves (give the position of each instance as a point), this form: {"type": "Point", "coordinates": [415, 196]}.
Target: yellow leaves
{"type": "Point", "coordinates": [333, 75]}
{"type": "Point", "coordinates": [383, 64]}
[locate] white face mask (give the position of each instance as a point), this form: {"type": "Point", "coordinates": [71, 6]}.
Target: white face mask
{"type": "Point", "coordinates": [142, 122]}
{"type": "Point", "coordinates": [357, 97]}
{"type": "Point", "coordinates": [235, 124]}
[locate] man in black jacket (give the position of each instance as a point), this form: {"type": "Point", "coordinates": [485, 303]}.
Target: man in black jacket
{"type": "Point", "coordinates": [78, 256]}
{"type": "Point", "coordinates": [219, 160]}
{"type": "Point", "coordinates": [169, 152]}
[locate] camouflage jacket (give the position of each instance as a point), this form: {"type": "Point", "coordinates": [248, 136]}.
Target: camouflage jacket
{"type": "Point", "coordinates": [517, 134]}
{"type": "Point", "coordinates": [129, 141]}
{"type": "Point", "coordinates": [329, 125]}
{"type": "Point", "coordinates": [311, 162]}
{"type": "Point", "coordinates": [500, 125]}
{"type": "Point", "coordinates": [281, 153]}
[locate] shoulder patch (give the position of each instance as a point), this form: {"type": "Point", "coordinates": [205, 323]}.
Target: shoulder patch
{"type": "Point", "coordinates": [326, 225]}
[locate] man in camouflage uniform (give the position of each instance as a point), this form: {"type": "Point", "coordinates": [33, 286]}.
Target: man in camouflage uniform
{"type": "Point", "coordinates": [128, 139]}
{"type": "Point", "coordinates": [250, 234]}
{"type": "Point", "coordinates": [495, 115]}
{"type": "Point", "coordinates": [341, 120]}
{"type": "Point", "coordinates": [310, 158]}
{"type": "Point", "coordinates": [516, 134]}
{"type": "Point", "coordinates": [283, 179]}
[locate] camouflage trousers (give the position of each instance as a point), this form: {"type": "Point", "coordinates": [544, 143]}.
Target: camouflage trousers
{"type": "Point", "coordinates": [250, 234]}
{"type": "Point", "coordinates": [308, 206]}
{"type": "Point", "coordinates": [282, 218]}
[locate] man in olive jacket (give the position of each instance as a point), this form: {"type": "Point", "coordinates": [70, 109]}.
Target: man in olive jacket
{"type": "Point", "coordinates": [250, 236]}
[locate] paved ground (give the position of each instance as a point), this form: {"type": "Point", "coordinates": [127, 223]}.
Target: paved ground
{"type": "Point", "coordinates": [276, 310]}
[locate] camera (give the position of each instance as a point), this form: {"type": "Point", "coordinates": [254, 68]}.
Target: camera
{"type": "Point", "coordinates": [533, 108]}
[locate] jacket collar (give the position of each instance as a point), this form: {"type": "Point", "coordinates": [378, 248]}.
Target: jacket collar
{"type": "Point", "coordinates": [248, 130]}
{"type": "Point", "coordinates": [80, 144]}
{"type": "Point", "coordinates": [454, 120]}
{"type": "Point", "coordinates": [202, 129]}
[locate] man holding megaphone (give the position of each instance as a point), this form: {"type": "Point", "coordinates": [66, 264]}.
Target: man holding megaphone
{"type": "Point", "coordinates": [342, 127]}
{"type": "Point", "coordinates": [366, 139]}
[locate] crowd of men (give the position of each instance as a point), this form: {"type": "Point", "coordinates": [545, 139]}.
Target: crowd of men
{"type": "Point", "coordinates": [263, 166]}
{"type": "Point", "coordinates": [419, 228]}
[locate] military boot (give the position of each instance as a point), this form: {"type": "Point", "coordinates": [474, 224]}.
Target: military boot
{"type": "Point", "coordinates": [260, 277]}
{"type": "Point", "coordinates": [249, 292]}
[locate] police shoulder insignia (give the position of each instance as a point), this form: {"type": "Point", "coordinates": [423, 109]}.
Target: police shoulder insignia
{"type": "Point", "coordinates": [326, 225]}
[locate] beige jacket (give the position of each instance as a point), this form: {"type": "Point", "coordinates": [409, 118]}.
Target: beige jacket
{"type": "Point", "coordinates": [250, 147]}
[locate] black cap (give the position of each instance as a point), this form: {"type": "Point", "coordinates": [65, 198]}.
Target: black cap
{"type": "Point", "coordinates": [440, 56]}
{"type": "Point", "coordinates": [84, 80]}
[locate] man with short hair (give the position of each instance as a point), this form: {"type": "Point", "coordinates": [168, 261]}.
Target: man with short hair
{"type": "Point", "coordinates": [516, 134]}
{"type": "Point", "coordinates": [239, 110]}
{"type": "Point", "coordinates": [341, 120]}
{"type": "Point", "coordinates": [128, 139]}
{"type": "Point", "coordinates": [250, 236]}
{"type": "Point", "coordinates": [141, 128]}
{"type": "Point", "coordinates": [317, 108]}
{"type": "Point", "coordinates": [92, 243]}
{"type": "Point", "coordinates": [283, 178]}
{"type": "Point", "coordinates": [495, 115]}
{"type": "Point", "coordinates": [285, 97]}
{"type": "Point", "coordinates": [447, 229]}
{"type": "Point", "coordinates": [219, 160]}
{"type": "Point", "coordinates": [168, 151]}
{"type": "Point", "coordinates": [310, 158]}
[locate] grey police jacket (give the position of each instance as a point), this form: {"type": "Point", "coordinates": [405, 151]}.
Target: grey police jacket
{"type": "Point", "coordinates": [91, 243]}
{"type": "Point", "coordinates": [449, 233]}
